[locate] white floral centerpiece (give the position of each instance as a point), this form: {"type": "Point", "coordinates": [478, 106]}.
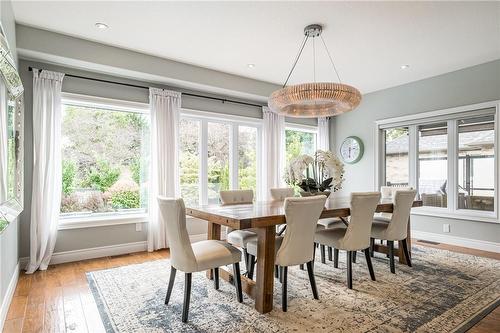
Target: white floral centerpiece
{"type": "Point", "coordinates": [322, 173]}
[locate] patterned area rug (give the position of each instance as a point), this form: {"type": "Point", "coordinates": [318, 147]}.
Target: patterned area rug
{"type": "Point", "coordinates": [442, 292]}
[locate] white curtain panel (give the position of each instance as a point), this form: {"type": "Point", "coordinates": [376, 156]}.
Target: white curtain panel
{"type": "Point", "coordinates": [323, 134]}
{"type": "Point", "coordinates": [47, 178]}
{"type": "Point", "coordinates": [165, 108]}
{"type": "Point", "coordinates": [273, 153]}
{"type": "Point", "coordinates": [3, 142]}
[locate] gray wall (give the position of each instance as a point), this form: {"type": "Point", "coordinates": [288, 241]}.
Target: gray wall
{"type": "Point", "coordinates": [468, 86]}
{"type": "Point", "coordinates": [38, 44]}
{"type": "Point", "coordinates": [9, 239]}
{"type": "Point", "coordinates": [76, 239]}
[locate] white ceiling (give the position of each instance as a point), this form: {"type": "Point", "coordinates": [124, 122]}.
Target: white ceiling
{"type": "Point", "coordinates": [369, 41]}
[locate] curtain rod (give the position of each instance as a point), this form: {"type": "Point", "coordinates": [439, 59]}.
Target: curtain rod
{"type": "Point", "coordinates": [223, 100]}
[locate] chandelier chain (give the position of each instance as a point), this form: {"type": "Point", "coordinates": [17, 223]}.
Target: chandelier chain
{"type": "Point", "coordinates": [331, 60]}
{"type": "Point", "coordinates": [304, 41]}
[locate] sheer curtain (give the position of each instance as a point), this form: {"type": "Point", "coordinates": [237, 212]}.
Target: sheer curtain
{"type": "Point", "coordinates": [323, 134]}
{"type": "Point", "coordinates": [164, 162]}
{"type": "Point", "coordinates": [47, 178]}
{"type": "Point", "coordinates": [3, 142]}
{"type": "Point", "coordinates": [273, 154]}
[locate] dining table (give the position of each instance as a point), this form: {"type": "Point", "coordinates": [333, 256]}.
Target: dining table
{"type": "Point", "coordinates": [263, 217]}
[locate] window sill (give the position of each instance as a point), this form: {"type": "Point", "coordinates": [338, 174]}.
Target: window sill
{"type": "Point", "coordinates": [100, 221]}
{"type": "Point", "coordinates": [103, 221]}
{"type": "Point", "coordinates": [478, 216]}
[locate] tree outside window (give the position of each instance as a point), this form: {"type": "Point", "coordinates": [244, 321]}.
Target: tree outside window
{"type": "Point", "coordinates": [298, 143]}
{"type": "Point", "coordinates": [103, 160]}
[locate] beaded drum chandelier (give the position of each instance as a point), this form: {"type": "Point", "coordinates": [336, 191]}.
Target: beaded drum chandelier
{"type": "Point", "coordinates": [316, 99]}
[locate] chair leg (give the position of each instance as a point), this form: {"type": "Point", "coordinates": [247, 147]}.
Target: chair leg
{"type": "Point", "coordinates": [284, 276]}
{"type": "Point", "coordinates": [372, 247]}
{"type": "Point", "coordinates": [301, 266]}
{"type": "Point", "coordinates": [312, 280]}
{"type": "Point", "coordinates": [336, 258]}
{"type": "Point", "coordinates": [245, 257]}
{"type": "Point", "coordinates": [349, 269]}
{"type": "Point", "coordinates": [216, 278]}
{"type": "Point", "coordinates": [170, 284]}
{"type": "Point", "coordinates": [314, 254]}
{"type": "Point", "coordinates": [405, 251]}
{"type": "Point", "coordinates": [237, 281]}
{"type": "Point", "coordinates": [369, 263]}
{"type": "Point", "coordinates": [187, 297]}
{"type": "Point", "coordinates": [354, 256]}
{"type": "Point", "coordinates": [276, 272]}
{"type": "Point", "coordinates": [322, 249]}
{"type": "Point", "coordinates": [391, 256]}
{"type": "Point", "coordinates": [330, 250]}
{"type": "Point", "coordinates": [251, 259]}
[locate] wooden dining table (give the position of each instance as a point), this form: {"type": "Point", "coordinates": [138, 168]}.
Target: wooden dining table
{"type": "Point", "coordinates": [263, 217]}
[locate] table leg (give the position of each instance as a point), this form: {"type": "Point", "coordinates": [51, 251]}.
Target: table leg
{"type": "Point", "coordinates": [402, 258]}
{"type": "Point", "coordinates": [214, 231]}
{"type": "Point", "coordinates": [265, 269]}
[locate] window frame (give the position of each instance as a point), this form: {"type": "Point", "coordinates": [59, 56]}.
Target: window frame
{"type": "Point", "coordinates": [451, 117]}
{"type": "Point", "coordinates": [299, 128]}
{"type": "Point", "coordinates": [91, 221]}
{"type": "Point", "coordinates": [205, 117]}
{"type": "Point", "coordinates": [104, 219]}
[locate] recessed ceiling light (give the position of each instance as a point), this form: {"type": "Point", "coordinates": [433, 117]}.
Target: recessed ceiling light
{"type": "Point", "coordinates": [102, 26]}
{"type": "Point", "coordinates": [250, 65]}
{"type": "Point", "coordinates": [405, 66]}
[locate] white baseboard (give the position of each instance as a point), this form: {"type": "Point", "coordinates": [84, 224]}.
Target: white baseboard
{"type": "Point", "coordinates": [458, 241]}
{"type": "Point", "coordinates": [94, 252]}
{"type": "Point", "coordinates": [9, 294]}
{"type": "Point", "coordinates": [102, 251]}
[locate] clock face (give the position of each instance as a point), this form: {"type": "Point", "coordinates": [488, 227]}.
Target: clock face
{"type": "Point", "coordinates": [351, 149]}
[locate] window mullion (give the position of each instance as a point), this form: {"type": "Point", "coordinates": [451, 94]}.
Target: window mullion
{"type": "Point", "coordinates": [203, 158]}
{"type": "Point", "coordinates": [413, 156]}
{"type": "Point", "coordinates": [452, 188]}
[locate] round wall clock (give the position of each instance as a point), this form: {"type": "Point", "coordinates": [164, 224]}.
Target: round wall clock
{"type": "Point", "coordinates": [351, 149]}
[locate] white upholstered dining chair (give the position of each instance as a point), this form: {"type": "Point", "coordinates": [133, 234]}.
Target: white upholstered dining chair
{"type": "Point", "coordinates": [236, 197]}
{"type": "Point", "coordinates": [239, 238]}
{"type": "Point", "coordinates": [396, 228]}
{"type": "Point", "coordinates": [196, 257]}
{"type": "Point", "coordinates": [297, 246]}
{"type": "Point", "coordinates": [389, 192]}
{"type": "Point", "coordinates": [328, 223]}
{"type": "Point", "coordinates": [356, 236]}
{"type": "Point", "coordinates": [280, 194]}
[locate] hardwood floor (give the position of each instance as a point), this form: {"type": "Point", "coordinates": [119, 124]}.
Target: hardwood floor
{"type": "Point", "coordinates": [59, 299]}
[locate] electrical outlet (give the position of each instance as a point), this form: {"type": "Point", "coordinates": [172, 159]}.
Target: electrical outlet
{"type": "Point", "coordinates": [446, 227]}
{"type": "Point", "coordinates": [138, 227]}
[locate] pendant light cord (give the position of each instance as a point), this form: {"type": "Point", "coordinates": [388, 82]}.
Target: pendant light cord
{"type": "Point", "coordinates": [314, 61]}
{"type": "Point", "coordinates": [304, 41]}
{"type": "Point", "coordinates": [331, 60]}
